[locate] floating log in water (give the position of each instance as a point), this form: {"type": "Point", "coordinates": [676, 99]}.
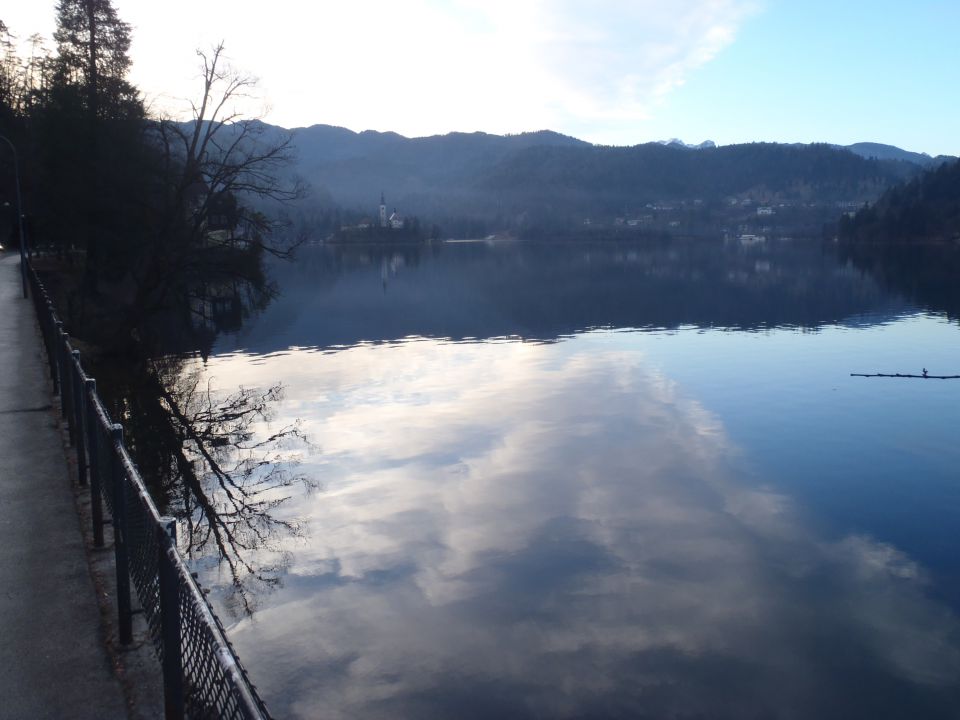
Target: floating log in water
{"type": "Point", "coordinates": [925, 376]}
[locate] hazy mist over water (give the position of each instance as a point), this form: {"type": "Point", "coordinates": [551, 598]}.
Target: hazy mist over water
{"type": "Point", "coordinates": [606, 481]}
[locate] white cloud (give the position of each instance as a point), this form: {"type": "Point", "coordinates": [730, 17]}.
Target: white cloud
{"type": "Point", "coordinates": [425, 66]}
{"type": "Point", "coordinates": [542, 519]}
{"type": "Point", "coordinates": [428, 66]}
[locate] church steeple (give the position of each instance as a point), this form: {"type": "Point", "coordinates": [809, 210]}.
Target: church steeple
{"type": "Point", "coordinates": [383, 210]}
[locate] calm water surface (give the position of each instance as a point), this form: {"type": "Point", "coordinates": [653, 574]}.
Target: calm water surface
{"type": "Point", "coordinates": [606, 481]}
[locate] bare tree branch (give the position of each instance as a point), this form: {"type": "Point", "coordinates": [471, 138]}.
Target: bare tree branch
{"type": "Point", "coordinates": [233, 475]}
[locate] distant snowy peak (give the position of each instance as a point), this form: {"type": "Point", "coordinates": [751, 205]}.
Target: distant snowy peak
{"type": "Point", "coordinates": [677, 142]}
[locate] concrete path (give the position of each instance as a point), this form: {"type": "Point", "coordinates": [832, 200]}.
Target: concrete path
{"type": "Point", "coordinates": [53, 659]}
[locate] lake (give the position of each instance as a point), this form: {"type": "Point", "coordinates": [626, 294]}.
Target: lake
{"type": "Point", "coordinates": [601, 480]}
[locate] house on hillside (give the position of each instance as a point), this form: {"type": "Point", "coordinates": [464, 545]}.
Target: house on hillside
{"type": "Point", "coordinates": [222, 219]}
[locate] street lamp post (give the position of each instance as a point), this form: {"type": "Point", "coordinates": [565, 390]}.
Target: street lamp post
{"type": "Point", "coordinates": [23, 246]}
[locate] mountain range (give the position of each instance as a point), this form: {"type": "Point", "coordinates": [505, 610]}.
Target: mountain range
{"type": "Point", "coordinates": [880, 151]}
{"type": "Point", "coordinates": [869, 150]}
{"type": "Point", "coordinates": [480, 182]}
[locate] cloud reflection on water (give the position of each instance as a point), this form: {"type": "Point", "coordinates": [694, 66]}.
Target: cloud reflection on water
{"type": "Point", "coordinates": [522, 530]}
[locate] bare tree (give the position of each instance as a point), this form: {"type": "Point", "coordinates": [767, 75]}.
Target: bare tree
{"type": "Point", "coordinates": [22, 80]}
{"type": "Point", "coordinates": [222, 152]}
{"type": "Point", "coordinates": [10, 70]}
{"type": "Point", "coordinates": [219, 173]}
{"type": "Point", "coordinates": [224, 471]}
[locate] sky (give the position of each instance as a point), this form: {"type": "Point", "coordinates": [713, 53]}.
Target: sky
{"type": "Point", "coordinates": [617, 72]}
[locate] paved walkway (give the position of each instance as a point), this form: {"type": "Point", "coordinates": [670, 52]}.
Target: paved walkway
{"type": "Point", "coordinates": [53, 661]}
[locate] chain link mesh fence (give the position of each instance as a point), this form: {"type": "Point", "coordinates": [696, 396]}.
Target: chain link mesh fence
{"type": "Point", "coordinates": [203, 677]}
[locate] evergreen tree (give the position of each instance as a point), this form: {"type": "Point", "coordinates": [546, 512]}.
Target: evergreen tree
{"type": "Point", "coordinates": [9, 71]}
{"type": "Point", "coordinates": [91, 128]}
{"type": "Point", "coordinates": [93, 60]}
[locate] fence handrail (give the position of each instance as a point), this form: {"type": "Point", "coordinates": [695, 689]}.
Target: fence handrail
{"type": "Point", "coordinates": [203, 679]}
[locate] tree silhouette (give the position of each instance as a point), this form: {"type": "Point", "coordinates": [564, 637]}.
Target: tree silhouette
{"type": "Point", "coordinates": [93, 47]}
{"type": "Point", "coordinates": [219, 467]}
{"type": "Point", "coordinates": [90, 127]}
{"type": "Point", "coordinates": [215, 172]}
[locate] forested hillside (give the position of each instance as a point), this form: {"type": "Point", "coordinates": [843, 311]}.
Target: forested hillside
{"type": "Point", "coordinates": [477, 183]}
{"type": "Point", "coordinates": [607, 178]}
{"type": "Point", "coordinates": [927, 208]}
{"type": "Point", "coordinates": [909, 238]}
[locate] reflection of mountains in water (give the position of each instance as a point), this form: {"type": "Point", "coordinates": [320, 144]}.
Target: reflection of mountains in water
{"type": "Point", "coordinates": [342, 296]}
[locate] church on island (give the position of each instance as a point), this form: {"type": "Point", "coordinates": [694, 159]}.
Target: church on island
{"type": "Point", "coordinates": [384, 227]}
{"type": "Point", "coordinates": [394, 222]}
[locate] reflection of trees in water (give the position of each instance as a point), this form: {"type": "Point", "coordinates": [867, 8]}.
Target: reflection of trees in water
{"type": "Point", "coordinates": [332, 298]}
{"type": "Point", "coordinates": [927, 273]}
{"type": "Point", "coordinates": [233, 478]}
{"type": "Point", "coordinates": [214, 462]}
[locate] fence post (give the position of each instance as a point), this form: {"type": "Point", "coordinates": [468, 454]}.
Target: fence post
{"type": "Point", "coordinates": [67, 379]}
{"type": "Point", "coordinates": [170, 633]}
{"type": "Point", "coordinates": [120, 550]}
{"type": "Point", "coordinates": [48, 332]}
{"type": "Point", "coordinates": [58, 340]}
{"type": "Point", "coordinates": [93, 457]}
{"type": "Point", "coordinates": [79, 418]}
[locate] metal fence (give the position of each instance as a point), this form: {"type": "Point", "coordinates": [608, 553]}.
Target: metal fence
{"type": "Point", "coordinates": [202, 677]}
